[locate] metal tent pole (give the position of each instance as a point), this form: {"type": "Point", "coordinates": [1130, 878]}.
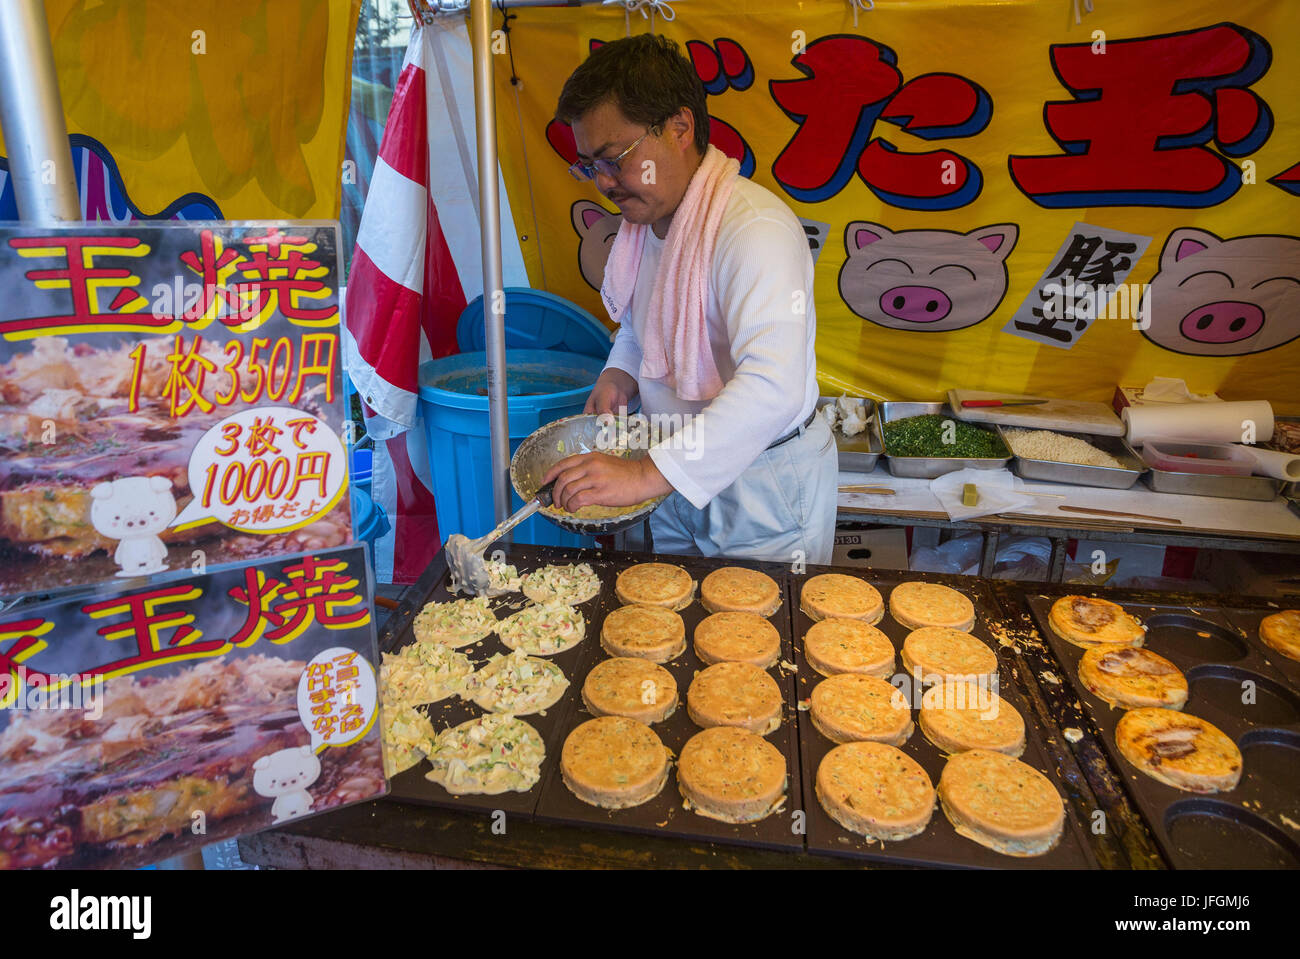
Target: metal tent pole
{"type": "Point", "coordinates": [494, 300]}
{"type": "Point", "coordinates": [31, 115]}
{"type": "Point", "coordinates": [494, 297]}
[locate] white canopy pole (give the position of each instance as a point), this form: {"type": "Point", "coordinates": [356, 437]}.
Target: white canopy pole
{"type": "Point", "coordinates": [31, 115]}
{"type": "Point", "coordinates": [494, 297]}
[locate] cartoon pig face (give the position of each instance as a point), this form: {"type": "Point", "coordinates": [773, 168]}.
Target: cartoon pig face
{"type": "Point", "coordinates": [1214, 297]}
{"type": "Point", "coordinates": [133, 506]}
{"type": "Point", "coordinates": [596, 228]}
{"type": "Point", "coordinates": [926, 280]}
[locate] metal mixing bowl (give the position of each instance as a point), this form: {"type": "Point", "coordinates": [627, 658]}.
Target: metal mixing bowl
{"type": "Point", "coordinates": [552, 443]}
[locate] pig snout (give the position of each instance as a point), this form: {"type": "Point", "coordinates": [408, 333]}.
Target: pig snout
{"type": "Point", "coordinates": [1224, 322]}
{"type": "Point", "coordinates": [916, 304]}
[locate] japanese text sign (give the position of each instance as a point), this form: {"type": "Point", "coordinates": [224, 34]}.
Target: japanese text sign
{"type": "Point", "coordinates": [172, 397]}
{"type": "Point", "coordinates": [205, 707]}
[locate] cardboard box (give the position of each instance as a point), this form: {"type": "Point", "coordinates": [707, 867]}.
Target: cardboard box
{"type": "Point", "coordinates": [879, 548]}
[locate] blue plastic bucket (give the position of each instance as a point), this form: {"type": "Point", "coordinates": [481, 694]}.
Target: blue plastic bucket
{"type": "Point", "coordinates": [536, 320]}
{"type": "Point", "coordinates": [362, 468]}
{"type": "Point", "coordinates": [541, 386]}
{"type": "Point", "coordinates": [369, 521]}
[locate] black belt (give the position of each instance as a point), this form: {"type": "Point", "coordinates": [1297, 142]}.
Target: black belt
{"type": "Point", "coordinates": [793, 433]}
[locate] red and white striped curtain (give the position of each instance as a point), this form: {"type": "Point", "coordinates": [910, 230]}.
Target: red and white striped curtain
{"type": "Point", "coordinates": [415, 266]}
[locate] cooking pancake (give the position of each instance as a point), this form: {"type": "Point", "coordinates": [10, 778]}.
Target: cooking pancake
{"type": "Point", "coordinates": [635, 688]}
{"type": "Point", "coordinates": [644, 632]}
{"type": "Point", "coordinates": [740, 590]}
{"type": "Point", "coordinates": [1281, 631]}
{"type": "Point", "coordinates": [940, 652]}
{"type": "Point", "coordinates": [958, 716]}
{"type": "Point", "coordinates": [572, 584]}
{"type": "Point", "coordinates": [614, 762]}
{"type": "Point", "coordinates": [1001, 803]}
{"type": "Point", "coordinates": [1086, 621]}
{"type": "Point", "coordinates": [543, 629]}
{"type": "Point", "coordinates": [464, 757]}
{"type": "Point", "coordinates": [875, 790]}
{"type": "Point", "coordinates": [1179, 750]}
{"type": "Point", "coordinates": [738, 638]}
{"type": "Point", "coordinates": [517, 684]}
{"type": "Point", "coordinates": [458, 623]}
{"type": "Point", "coordinates": [839, 645]}
{"type": "Point", "coordinates": [732, 775]}
{"type": "Point", "coordinates": [928, 604]}
{"type": "Point", "coordinates": [735, 694]}
{"type": "Point", "coordinates": [851, 707]}
{"type": "Point", "coordinates": [655, 584]}
{"type": "Point", "coordinates": [835, 594]}
{"type": "Point", "coordinates": [1132, 678]}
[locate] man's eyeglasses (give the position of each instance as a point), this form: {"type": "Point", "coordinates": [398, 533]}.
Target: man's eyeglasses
{"type": "Point", "coordinates": [610, 166]}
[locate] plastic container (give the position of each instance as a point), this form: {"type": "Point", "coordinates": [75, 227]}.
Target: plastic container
{"type": "Point", "coordinates": [362, 468]}
{"type": "Point", "coordinates": [369, 521]}
{"type": "Point", "coordinates": [536, 320]}
{"type": "Point", "coordinates": [542, 385]}
{"type": "Point", "coordinates": [1218, 459]}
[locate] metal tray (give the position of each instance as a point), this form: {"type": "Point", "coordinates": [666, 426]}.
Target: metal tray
{"type": "Point", "coordinates": [664, 815]}
{"type": "Point", "coordinates": [858, 454]}
{"type": "Point", "coordinates": [1107, 477]}
{"type": "Point", "coordinates": [939, 844]}
{"type": "Point", "coordinates": [1257, 824]}
{"type": "Point", "coordinates": [1261, 488]}
{"type": "Point", "coordinates": [928, 467]}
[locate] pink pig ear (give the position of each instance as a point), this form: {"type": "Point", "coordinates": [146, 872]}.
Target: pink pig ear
{"type": "Point", "coordinates": [860, 234]}
{"type": "Point", "coordinates": [999, 238]}
{"type": "Point", "coordinates": [585, 214]}
{"type": "Point", "coordinates": [1184, 242]}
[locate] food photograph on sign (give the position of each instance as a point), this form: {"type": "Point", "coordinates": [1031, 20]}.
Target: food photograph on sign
{"type": "Point", "coordinates": [171, 397]}
{"type": "Point", "coordinates": [161, 719]}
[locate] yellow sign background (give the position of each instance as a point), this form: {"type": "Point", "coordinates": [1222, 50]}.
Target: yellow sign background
{"type": "Point", "coordinates": [1002, 46]}
{"type": "Point", "coordinates": [256, 121]}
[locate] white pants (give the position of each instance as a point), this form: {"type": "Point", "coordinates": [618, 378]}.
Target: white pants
{"type": "Point", "coordinates": [782, 509]}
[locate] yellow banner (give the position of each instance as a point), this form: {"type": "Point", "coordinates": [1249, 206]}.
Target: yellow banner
{"type": "Point", "coordinates": [206, 102]}
{"type": "Point", "coordinates": [994, 190]}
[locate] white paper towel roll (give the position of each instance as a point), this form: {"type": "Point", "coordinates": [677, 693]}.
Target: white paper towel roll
{"type": "Point", "coordinates": [1283, 466]}
{"type": "Point", "coordinates": [1198, 422]}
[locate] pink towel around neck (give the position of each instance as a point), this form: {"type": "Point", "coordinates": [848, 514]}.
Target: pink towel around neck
{"type": "Point", "coordinates": [675, 343]}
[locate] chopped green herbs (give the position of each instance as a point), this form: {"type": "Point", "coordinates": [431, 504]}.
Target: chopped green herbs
{"type": "Point", "coordinates": [942, 436]}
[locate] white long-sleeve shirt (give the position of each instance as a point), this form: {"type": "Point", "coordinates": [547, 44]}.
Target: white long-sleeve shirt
{"type": "Point", "coordinates": [762, 329]}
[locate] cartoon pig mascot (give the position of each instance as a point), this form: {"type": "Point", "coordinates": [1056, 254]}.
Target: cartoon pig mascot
{"type": "Point", "coordinates": [134, 510]}
{"type": "Point", "coordinates": [1214, 297]}
{"type": "Point", "coordinates": [925, 280]}
{"type": "Point", "coordinates": [286, 775]}
{"type": "Point", "coordinates": [596, 228]}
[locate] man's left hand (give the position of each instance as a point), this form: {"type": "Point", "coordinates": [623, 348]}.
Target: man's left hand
{"type": "Point", "coordinates": [598, 479]}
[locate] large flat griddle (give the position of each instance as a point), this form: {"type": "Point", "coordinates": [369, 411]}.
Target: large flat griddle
{"type": "Point", "coordinates": [801, 824]}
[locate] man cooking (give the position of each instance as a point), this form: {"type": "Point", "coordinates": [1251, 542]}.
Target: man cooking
{"type": "Point", "coordinates": [711, 279]}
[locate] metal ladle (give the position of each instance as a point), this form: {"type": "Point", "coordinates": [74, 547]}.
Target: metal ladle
{"type": "Point", "coordinates": [465, 555]}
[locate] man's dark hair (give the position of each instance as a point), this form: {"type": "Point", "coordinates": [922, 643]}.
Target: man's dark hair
{"type": "Point", "coordinates": [646, 76]}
